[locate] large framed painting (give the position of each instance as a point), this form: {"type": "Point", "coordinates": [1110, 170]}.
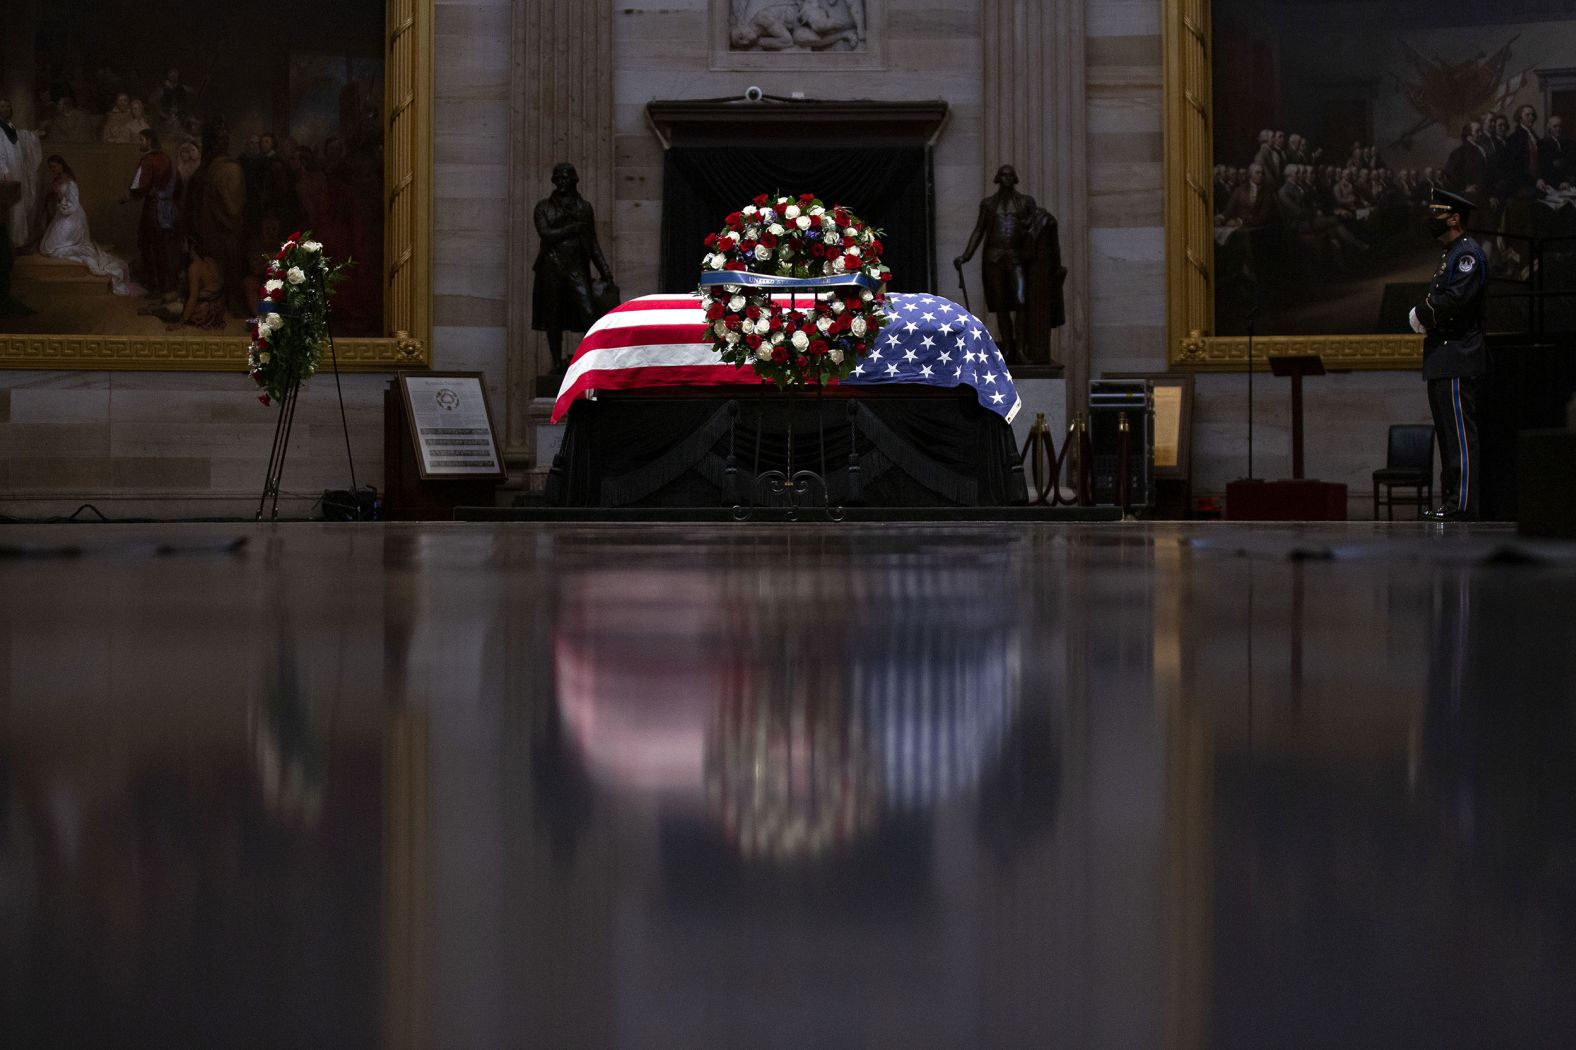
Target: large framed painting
{"type": "Point", "coordinates": [1304, 138]}
{"type": "Point", "coordinates": [149, 166]}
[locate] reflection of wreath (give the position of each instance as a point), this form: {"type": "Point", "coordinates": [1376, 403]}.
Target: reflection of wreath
{"type": "Point", "coordinates": [826, 257]}
{"type": "Point", "coordinates": [447, 399]}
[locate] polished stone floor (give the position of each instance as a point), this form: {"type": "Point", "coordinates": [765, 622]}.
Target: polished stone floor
{"type": "Point", "coordinates": [484, 786]}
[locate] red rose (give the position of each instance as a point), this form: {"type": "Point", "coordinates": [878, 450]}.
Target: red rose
{"type": "Point", "coordinates": [875, 249]}
{"type": "Point", "coordinates": [263, 398]}
{"type": "Point", "coordinates": [725, 244]}
{"type": "Point", "coordinates": [801, 360]}
{"type": "Point", "coordinates": [769, 239]}
{"type": "Point", "coordinates": [806, 197]}
{"type": "Point", "coordinates": [840, 216]}
{"type": "Point", "coordinates": [779, 355]}
{"type": "Point", "coordinates": [776, 322]}
{"type": "Point", "coordinates": [258, 375]}
{"type": "Point", "coordinates": [760, 200]}
{"type": "Point", "coordinates": [735, 221]}
{"type": "Point", "coordinates": [818, 250]}
{"type": "Point", "coordinates": [732, 321]}
{"type": "Point", "coordinates": [734, 265]}
{"type": "Point", "coordinates": [746, 246]}
{"type": "Point", "coordinates": [819, 348]}
{"type": "Point", "coordinates": [715, 311]}
{"type": "Point", "coordinates": [851, 263]}
{"type": "Point", "coordinates": [753, 341]}
{"type": "Point", "coordinates": [843, 323]}
{"type": "Point", "coordinates": [849, 242]}
{"type": "Point", "coordinates": [711, 240]}
{"type": "Point", "coordinates": [296, 236]}
{"type": "Point", "coordinates": [753, 312]}
{"type": "Point", "coordinates": [861, 349]}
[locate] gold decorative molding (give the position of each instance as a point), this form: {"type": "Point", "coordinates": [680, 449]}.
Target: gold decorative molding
{"type": "Point", "coordinates": [1190, 234]}
{"type": "Point", "coordinates": [407, 246]}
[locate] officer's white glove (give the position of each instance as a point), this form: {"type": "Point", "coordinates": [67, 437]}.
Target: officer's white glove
{"type": "Point", "coordinates": [1417, 326]}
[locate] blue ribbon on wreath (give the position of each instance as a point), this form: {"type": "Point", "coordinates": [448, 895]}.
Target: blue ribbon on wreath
{"type": "Point", "coordinates": [747, 279]}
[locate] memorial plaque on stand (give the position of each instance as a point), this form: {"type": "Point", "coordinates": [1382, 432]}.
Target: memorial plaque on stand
{"type": "Point", "coordinates": [440, 447]}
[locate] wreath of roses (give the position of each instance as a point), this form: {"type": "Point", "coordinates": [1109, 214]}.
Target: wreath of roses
{"type": "Point", "coordinates": [819, 333]}
{"type": "Point", "coordinates": [290, 332]}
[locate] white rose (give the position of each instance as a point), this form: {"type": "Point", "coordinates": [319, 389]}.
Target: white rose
{"type": "Point", "coordinates": [716, 261]}
{"type": "Point", "coordinates": [837, 306]}
{"type": "Point", "coordinates": [778, 338]}
{"type": "Point", "coordinates": [764, 352]}
{"type": "Point", "coordinates": [732, 338]}
{"type": "Point", "coordinates": [720, 328]}
{"type": "Point", "coordinates": [836, 355]}
{"type": "Point", "coordinates": [311, 246]}
{"type": "Point", "coordinates": [736, 304]}
{"type": "Point", "coordinates": [263, 357]}
{"type": "Point", "coordinates": [823, 296]}
{"type": "Point", "coordinates": [767, 215]}
{"type": "Point", "coordinates": [274, 322]}
{"type": "Point", "coordinates": [818, 211]}
{"type": "Point", "coordinates": [762, 252]}
{"type": "Point", "coordinates": [853, 250]}
{"type": "Point", "coordinates": [858, 327]}
{"type": "Point", "coordinates": [731, 289]}
{"type": "Point", "coordinates": [837, 265]}
{"type": "Point", "coordinates": [824, 324]}
{"type": "Point", "coordinates": [803, 222]}
{"type": "Point", "coordinates": [800, 340]}
{"type": "Point", "coordinates": [273, 286]}
{"type": "Point", "coordinates": [295, 276]}
{"type": "Point", "coordinates": [263, 330]}
{"type": "Point", "coordinates": [776, 229]}
{"type": "Point", "coordinates": [792, 212]}
{"type": "Point", "coordinates": [850, 232]}
{"type": "Point", "coordinates": [748, 209]}
{"type": "Point", "coordinates": [763, 326]}
{"type": "Point", "coordinates": [866, 297]}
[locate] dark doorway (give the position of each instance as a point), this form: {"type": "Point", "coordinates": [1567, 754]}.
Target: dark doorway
{"type": "Point", "coordinates": [890, 187]}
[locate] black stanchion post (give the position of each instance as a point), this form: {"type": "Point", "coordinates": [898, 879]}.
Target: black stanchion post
{"type": "Point", "coordinates": [1124, 436]}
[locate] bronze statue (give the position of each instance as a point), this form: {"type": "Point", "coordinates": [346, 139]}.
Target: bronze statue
{"type": "Point", "coordinates": [565, 298]}
{"type": "Point", "coordinates": [1022, 269]}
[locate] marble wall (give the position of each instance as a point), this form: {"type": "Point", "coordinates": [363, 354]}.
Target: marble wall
{"type": "Point", "coordinates": [661, 50]}
{"type": "Point", "coordinates": [174, 445]}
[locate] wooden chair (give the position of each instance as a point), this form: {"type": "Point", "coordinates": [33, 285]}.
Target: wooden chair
{"type": "Point", "coordinates": [1409, 465]}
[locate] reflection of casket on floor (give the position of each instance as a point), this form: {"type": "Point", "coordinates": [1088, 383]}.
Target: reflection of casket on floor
{"type": "Point", "coordinates": [926, 420]}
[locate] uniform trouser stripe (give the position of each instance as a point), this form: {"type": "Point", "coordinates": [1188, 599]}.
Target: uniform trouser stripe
{"type": "Point", "coordinates": [1461, 444]}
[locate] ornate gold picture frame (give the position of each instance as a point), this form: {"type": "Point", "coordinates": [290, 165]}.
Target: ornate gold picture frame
{"type": "Point", "coordinates": [406, 265]}
{"type": "Point", "coordinates": [1190, 245]}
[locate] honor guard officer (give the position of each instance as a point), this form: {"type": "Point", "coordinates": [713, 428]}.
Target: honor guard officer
{"type": "Point", "coordinates": [1450, 318]}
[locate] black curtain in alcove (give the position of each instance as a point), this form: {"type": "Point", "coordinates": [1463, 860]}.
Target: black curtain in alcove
{"type": "Point", "coordinates": [888, 187]}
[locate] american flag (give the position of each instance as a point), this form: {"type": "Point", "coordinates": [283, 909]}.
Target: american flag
{"type": "Point", "coordinates": [662, 341]}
